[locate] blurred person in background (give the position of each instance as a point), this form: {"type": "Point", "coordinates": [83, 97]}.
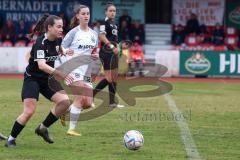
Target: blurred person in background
{"type": "Point", "coordinates": [205, 36]}
{"type": "Point", "coordinates": [136, 59]}
{"type": "Point", "coordinates": [124, 32]}
{"type": "Point", "coordinates": [178, 35]}
{"type": "Point", "coordinates": [192, 25]}
{"type": "Point", "coordinates": [8, 31]}
{"type": "Point", "coordinates": [125, 17]}
{"type": "Point", "coordinates": [21, 31]}
{"type": "Point", "coordinates": [137, 33]}
{"type": "Point", "coordinates": [218, 35]}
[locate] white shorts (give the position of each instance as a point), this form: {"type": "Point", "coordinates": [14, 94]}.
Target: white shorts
{"type": "Point", "coordinates": [78, 75]}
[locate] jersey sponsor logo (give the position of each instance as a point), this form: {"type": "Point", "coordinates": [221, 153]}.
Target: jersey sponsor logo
{"type": "Point", "coordinates": [114, 32]}
{"type": "Point", "coordinates": [86, 47]}
{"type": "Point", "coordinates": [113, 26]}
{"type": "Point", "coordinates": [51, 58]}
{"type": "Point", "coordinates": [40, 54]}
{"type": "Point", "coordinates": [102, 28]}
{"type": "Point", "coordinates": [77, 75]}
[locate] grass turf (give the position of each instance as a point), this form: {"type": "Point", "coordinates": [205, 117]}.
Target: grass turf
{"type": "Point", "coordinates": [211, 110]}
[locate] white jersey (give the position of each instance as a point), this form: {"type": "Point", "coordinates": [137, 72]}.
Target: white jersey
{"type": "Point", "coordinates": [82, 43]}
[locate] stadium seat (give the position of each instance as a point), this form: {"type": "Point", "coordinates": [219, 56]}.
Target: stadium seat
{"type": "Point", "coordinates": [219, 48]}
{"type": "Point", "coordinates": [191, 40]}
{"type": "Point", "coordinates": [230, 31]}
{"type": "Point", "coordinates": [7, 43]}
{"type": "Point", "coordinates": [20, 43]}
{"type": "Point", "coordinates": [231, 42]}
{"type": "Point", "coordinates": [30, 44]}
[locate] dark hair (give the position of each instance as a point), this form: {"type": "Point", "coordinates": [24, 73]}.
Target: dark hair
{"type": "Point", "coordinates": [42, 24]}
{"type": "Point", "coordinates": [109, 4]}
{"type": "Point", "coordinates": [74, 21]}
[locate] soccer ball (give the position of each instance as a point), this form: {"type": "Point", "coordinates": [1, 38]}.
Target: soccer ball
{"type": "Point", "coordinates": [133, 140]}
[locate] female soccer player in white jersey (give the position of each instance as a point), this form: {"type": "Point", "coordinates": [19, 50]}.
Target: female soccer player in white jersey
{"type": "Point", "coordinates": [83, 41]}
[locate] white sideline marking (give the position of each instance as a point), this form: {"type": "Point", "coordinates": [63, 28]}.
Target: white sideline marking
{"type": "Point", "coordinates": [190, 146]}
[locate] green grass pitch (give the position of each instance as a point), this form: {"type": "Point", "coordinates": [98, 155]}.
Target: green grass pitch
{"type": "Point", "coordinates": [211, 110]}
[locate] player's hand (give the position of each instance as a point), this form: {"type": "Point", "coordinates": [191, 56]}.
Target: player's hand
{"type": "Point", "coordinates": [69, 52]}
{"type": "Point", "coordinates": [69, 79]}
{"type": "Point", "coordinates": [94, 57]}
{"type": "Point", "coordinates": [94, 54]}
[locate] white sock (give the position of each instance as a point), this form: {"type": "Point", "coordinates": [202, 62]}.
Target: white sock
{"type": "Point", "coordinates": [11, 138]}
{"type": "Point", "coordinates": [74, 115]}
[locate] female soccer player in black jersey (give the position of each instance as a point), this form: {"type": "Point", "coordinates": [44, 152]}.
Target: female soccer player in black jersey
{"type": "Point", "coordinates": [41, 65]}
{"type": "Point", "coordinates": [109, 54]}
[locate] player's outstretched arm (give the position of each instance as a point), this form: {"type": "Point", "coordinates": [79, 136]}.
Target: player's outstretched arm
{"type": "Point", "coordinates": [58, 75]}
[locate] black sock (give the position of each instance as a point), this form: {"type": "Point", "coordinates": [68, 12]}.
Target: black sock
{"type": "Point", "coordinates": [112, 91]}
{"type": "Point", "coordinates": [102, 84]}
{"type": "Point", "coordinates": [17, 128]}
{"type": "Point", "coordinates": [50, 119]}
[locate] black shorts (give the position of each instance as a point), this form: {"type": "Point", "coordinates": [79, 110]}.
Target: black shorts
{"type": "Point", "coordinates": [109, 60]}
{"type": "Point", "coordinates": [33, 86]}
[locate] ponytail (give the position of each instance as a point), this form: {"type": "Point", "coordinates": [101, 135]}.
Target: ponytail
{"type": "Point", "coordinates": [39, 28]}
{"type": "Point", "coordinates": [74, 22]}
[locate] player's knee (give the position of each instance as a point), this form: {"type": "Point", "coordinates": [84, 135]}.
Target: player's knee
{"type": "Point", "coordinates": [66, 104]}
{"type": "Point", "coordinates": [109, 79]}
{"type": "Point", "coordinates": [62, 107]}
{"type": "Point", "coordinates": [79, 100]}
{"type": "Point", "coordinates": [29, 109]}
{"type": "Point", "coordinates": [28, 113]}
{"type": "Point", "coordinates": [88, 104]}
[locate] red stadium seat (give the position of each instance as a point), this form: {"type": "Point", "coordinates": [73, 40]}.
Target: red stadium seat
{"type": "Point", "coordinates": [30, 44]}
{"type": "Point", "coordinates": [219, 48]}
{"type": "Point", "coordinates": [7, 43]}
{"type": "Point", "coordinates": [231, 42]}
{"type": "Point", "coordinates": [202, 37]}
{"type": "Point", "coordinates": [230, 31]}
{"type": "Point", "coordinates": [20, 43]}
{"type": "Point", "coordinates": [210, 29]}
{"type": "Point", "coordinates": [192, 40]}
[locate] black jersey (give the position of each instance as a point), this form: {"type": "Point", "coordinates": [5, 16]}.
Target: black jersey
{"type": "Point", "coordinates": [43, 49]}
{"type": "Point", "coordinates": [110, 29]}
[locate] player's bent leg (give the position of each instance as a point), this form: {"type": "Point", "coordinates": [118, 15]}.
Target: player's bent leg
{"type": "Point", "coordinates": [30, 105]}
{"type": "Point", "coordinates": [88, 96]}
{"type": "Point", "coordinates": [75, 111]}
{"type": "Point", "coordinates": [76, 107]}
{"type": "Point", "coordinates": [63, 103]}
{"type": "Point", "coordinates": [62, 106]}
{"type": "Point", "coordinates": [87, 102]}
{"type": "Point", "coordinates": [111, 76]}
